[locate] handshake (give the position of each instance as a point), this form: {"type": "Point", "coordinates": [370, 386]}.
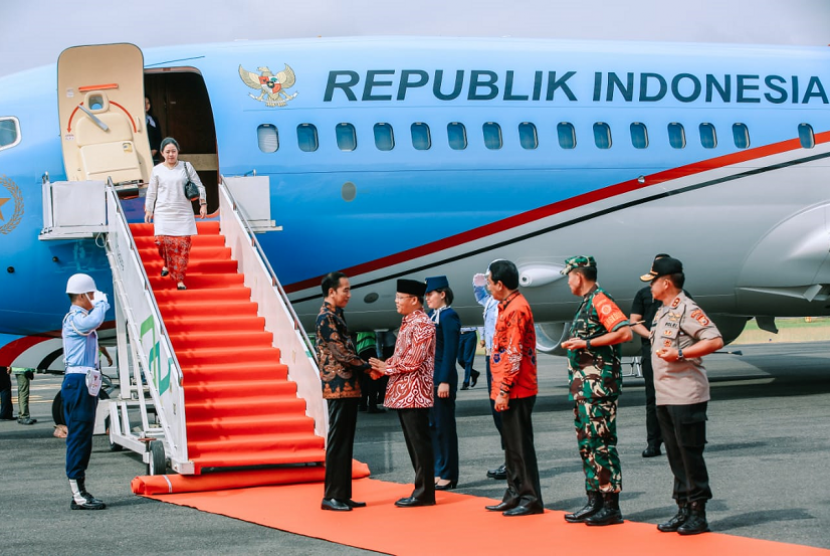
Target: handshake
{"type": "Point", "coordinates": [378, 368]}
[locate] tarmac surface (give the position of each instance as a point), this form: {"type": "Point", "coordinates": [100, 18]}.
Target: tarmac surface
{"type": "Point", "coordinates": [768, 454]}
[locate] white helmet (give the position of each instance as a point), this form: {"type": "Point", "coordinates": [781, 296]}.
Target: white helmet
{"type": "Point", "coordinates": [80, 283]}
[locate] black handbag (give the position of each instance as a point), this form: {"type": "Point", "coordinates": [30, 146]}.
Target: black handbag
{"type": "Point", "coordinates": [191, 191]}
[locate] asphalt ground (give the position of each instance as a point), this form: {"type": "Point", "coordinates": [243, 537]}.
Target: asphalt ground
{"type": "Point", "coordinates": [768, 453]}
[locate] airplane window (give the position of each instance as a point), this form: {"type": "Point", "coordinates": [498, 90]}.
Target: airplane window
{"type": "Point", "coordinates": [9, 133]}
{"type": "Point", "coordinates": [805, 134]}
{"type": "Point", "coordinates": [384, 138]}
{"type": "Point", "coordinates": [528, 136]}
{"type": "Point", "coordinates": [708, 137]}
{"type": "Point", "coordinates": [741, 135]}
{"type": "Point", "coordinates": [677, 136]}
{"type": "Point", "coordinates": [639, 135]}
{"type": "Point", "coordinates": [267, 138]}
{"type": "Point", "coordinates": [421, 139]}
{"type": "Point", "coordinates": [567, 135]}
{"type": "Point", "coordinates": [307, 138]}
{"type": "Point", "coordinates": [602, 135]}
{"type": "Point", "coordinates": [457, 136]}
{"type": "Point", "coordinates": [492, 136]}
{"type": "Point", "coordinates": [346, 137]}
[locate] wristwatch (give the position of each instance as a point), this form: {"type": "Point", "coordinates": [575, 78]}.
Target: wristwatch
{"type": "Point", "coordinates": [588, 345]}
{"type": "Point", "coordinates": [679, 354]}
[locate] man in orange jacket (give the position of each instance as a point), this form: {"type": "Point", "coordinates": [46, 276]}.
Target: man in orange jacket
{"type": "Point", "coordinates": [514, 389]}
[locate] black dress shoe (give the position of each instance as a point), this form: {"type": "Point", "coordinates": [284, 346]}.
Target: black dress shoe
{"type": "Point", "coordinates": [164, 272]}
{"type": "Point", "coordinates": [503, 506]}
{"type": "Point", "coordinates": [499, 474]}
{"type": "Point", "coordinates": [524, 510]}
{"type": "Point", "coordinates": [353, 504]}
{"type": "Point", "coordinates": [465, 386]}
{"type": "Point", "coordinates": [26, 421]}
{"type": "Point", "coordinates": [335, 505]}
{"type": "Point", "coordinates": [412, 502]}
{"type": "Point", "coordinates": [448, 486]}
{"type": "Point", "coordinates": [652, 451]}
{"type": "Point", "coordinates": [181, 287]}
{"type": "Point", "coordinates": [87, 505]}
{"type": "Point", "coordinates": [474, 378]}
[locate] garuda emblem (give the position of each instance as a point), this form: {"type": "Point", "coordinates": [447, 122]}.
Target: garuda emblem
{"type": "Point", "coordinates": [271, 87]}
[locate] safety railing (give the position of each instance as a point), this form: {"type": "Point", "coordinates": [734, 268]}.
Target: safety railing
{"type": "Point", "coordinates": [296, 348]}
{"type": "Point", "coordinates": [139, 325]}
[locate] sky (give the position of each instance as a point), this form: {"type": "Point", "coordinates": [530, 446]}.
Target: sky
{"type": "Point", "coordinates": [34, 32]}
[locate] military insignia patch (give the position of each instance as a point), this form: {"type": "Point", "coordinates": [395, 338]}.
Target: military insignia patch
{"type": "Point", "coordinates": [667, 343]}
{"type": "Point", "coordinates": [675, 303]}
{"type": "Point", "coordinates": [10, 216]}
{"type": "Point", "coordinates": [700, 317]}
{"type": "Point", "coordinates": [271, 86]}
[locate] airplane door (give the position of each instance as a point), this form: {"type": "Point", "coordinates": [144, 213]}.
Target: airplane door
{"type": "Point", "coordinates": [101, 109]}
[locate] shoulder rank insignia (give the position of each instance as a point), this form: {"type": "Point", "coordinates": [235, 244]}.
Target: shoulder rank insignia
{"type": "Point", "coordinates": [675, 303]}
{"type": "Point", "coordinates": [271, 87]}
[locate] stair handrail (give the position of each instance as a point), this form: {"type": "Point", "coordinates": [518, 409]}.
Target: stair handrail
{"type": "Point", "coordinates": [174, 424]}
{"type": "Point", "coordinates": [298, 351]}
{"type": "Point", "coordinates": [274, 280]}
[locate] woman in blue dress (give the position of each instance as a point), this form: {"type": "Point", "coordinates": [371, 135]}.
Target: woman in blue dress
{"type": "Point", "coordinates": [442, 414]}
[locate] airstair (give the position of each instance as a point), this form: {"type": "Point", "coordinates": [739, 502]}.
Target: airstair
{"type": "Point", "coordinates": [219, 376]}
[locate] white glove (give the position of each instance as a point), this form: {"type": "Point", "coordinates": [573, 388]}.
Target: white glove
{"type": "Point", "coordinates": [480, 279]}
{"type": "Point", "coordinates": [100, 297]}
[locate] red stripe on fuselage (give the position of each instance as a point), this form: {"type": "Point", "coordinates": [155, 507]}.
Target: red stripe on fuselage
{"type": "Point", "coordinates": [564, 205]}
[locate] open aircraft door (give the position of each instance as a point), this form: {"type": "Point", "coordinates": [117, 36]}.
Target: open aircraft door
{"type": "Point", "coordinates": [101, 108]}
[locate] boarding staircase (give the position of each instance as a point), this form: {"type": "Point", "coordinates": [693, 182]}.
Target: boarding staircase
{"type": "Point", "coordinates": [241, 408]}
{"type": "Point", "coordinates": [217, 377]}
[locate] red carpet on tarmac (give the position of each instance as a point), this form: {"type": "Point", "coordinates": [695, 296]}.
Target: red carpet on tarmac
{"type": "Point", "coordinates": [472, 530]}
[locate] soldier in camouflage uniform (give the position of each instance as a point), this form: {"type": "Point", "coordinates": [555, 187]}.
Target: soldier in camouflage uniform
{"type": "Point", "coordinates": [595, 384]}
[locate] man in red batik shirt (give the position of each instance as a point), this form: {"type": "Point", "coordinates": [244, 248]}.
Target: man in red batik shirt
{"type": "Point", "coordinates": [410, 387]}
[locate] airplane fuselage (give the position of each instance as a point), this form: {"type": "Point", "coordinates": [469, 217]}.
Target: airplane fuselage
{"type": "Point", "coordinates": [393, 158]}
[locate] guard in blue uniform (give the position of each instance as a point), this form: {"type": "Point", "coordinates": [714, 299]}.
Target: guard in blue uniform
{"type": "Point", "coordinates": [82, 382]}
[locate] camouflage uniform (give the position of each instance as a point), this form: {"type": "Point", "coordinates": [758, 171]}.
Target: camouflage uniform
{"type": "Point", "coordinates": [595, 385]}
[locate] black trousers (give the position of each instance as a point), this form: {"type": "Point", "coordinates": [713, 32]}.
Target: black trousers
{"type": "Point", "coordinates": [444, 437]}
{"type": "Point", "coordinates": [496, 414]}
{"type": "Point", "coordinates": [6, 410]}
{"type": "Point", "coordinates": [653, 435]}
{"type": "Point", "coordinates": [415, 425]}
{"type": "Point", "coordinates": [523, 486]}
{"type": "Point", "coordinates": [340, 447]}
{"type": "Point", "coordinates": [684, 435]}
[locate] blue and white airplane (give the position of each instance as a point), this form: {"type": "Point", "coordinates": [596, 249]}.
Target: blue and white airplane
{"type": "Point", "coordinates": [413, 157]}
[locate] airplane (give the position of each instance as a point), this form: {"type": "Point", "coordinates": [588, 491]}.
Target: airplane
{"type": "Point", "coordinates": [414, 157]}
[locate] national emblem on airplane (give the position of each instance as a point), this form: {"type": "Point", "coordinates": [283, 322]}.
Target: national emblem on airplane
{"type": "Point", "coordinates": [14, 215]}
{"type": "Point", "coordinates": [271, 86]}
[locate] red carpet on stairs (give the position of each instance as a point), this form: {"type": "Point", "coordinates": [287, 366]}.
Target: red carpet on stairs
{"type": "Point", "coordinates": [241, 409]}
